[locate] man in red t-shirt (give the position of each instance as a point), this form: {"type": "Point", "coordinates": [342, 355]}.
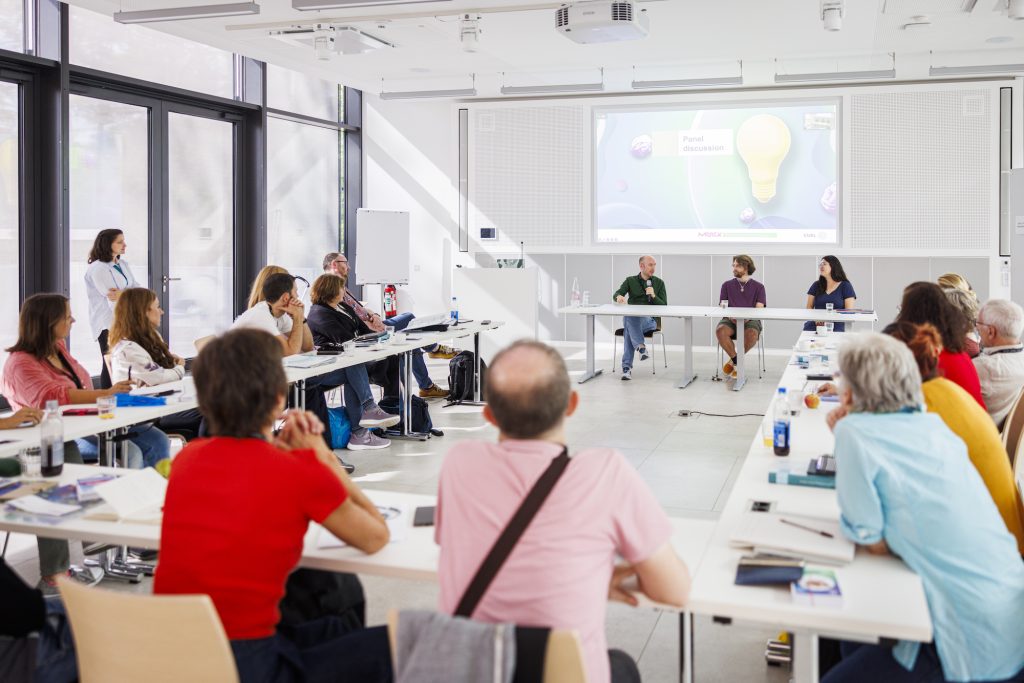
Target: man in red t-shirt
{"type": "Point", "coordinates": [244, 493]}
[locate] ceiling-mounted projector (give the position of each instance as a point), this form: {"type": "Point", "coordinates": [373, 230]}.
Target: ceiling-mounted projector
{"type": "Point", "coordinates": [601, 21]}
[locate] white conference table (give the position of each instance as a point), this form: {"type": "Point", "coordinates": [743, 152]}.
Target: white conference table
{"type": "Point", "coordinates": [882, 597]}
{"type": "Point", "coordinates": [688, 313]}
{"type": "Point", "coordinates": [77, 427]}
{"type": "Point", "coordinates": [414, 557]}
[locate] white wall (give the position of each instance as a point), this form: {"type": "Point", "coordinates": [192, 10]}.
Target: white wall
{"type": "Point", "coordinates": [411, 164]}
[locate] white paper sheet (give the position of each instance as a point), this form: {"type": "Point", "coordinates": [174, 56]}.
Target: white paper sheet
{"type": "Point", "coordinates": [40, 506]}
{"type": "Point", "coordinates": [395, 514]}
{"type": "Point", "coordinates": [132, 495]}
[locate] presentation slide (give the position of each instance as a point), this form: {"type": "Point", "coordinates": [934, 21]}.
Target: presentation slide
{"type": "Point", "coordinates": [764, 173]}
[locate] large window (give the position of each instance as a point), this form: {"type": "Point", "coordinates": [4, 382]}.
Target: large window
{"type": "Point", "coordinates": [140, 52]}
{"type": "Point", "coordinates": [10, 277]}
{"type": "Point", "coordinates": [12, 25]}
{"type": "Point", "coordinates": [304, 171]}
{"type": "Point", "coordinates": [201, 229]}
{"type": "Point", "coordinates": [109, 189]}
{"type": "Point", "coordinates": [289, 90]}
{"type": "Point", "coordinates": [303, 191]}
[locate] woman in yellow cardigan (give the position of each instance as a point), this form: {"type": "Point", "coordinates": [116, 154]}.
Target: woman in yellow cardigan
{"type": "Point", "coordinates": [968, 420]}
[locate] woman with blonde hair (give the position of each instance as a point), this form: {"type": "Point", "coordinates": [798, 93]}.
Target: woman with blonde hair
{"type": "Point", "coordinates": [138, 352]}
{"type": "Point", "coordinates": [256, 293]}
{"type": "Point", "coordinates": [955, 281]}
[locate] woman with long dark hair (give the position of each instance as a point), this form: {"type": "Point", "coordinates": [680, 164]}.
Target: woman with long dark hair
{"type": "Point", "coordinates": [831, 287]}
{"type": "Point", "coordinates": [925, 302]}
{"type": "Point", "coordinates": [106, 277]}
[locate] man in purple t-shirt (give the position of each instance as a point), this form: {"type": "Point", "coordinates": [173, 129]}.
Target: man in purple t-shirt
{"type": "Point", "coordinates": [740, 292]}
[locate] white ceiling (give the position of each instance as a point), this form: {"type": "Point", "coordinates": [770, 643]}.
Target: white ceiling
{"type": "Point", "coordinates": [688, 39]}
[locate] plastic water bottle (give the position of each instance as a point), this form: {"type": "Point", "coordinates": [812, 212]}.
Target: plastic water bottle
{"type": "Point", "coordinates": [780, 411]}
{"type": "Point", "coordinates": [576, 296]}
{"type": "Point", "coordinates": [51, 438]}
{"type": "Point", "coordinates": [455, 311]}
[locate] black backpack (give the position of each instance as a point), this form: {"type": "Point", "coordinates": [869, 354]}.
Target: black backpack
{"type": "Point", "coordinates": [421, 421]}
{"type": "Point", "coordinates": [460, 377]}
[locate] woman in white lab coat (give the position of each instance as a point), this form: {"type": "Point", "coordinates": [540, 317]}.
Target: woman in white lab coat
{"type": "Point", "coordinates": [107, 276]}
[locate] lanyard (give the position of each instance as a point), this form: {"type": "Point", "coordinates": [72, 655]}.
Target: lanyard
{"type": "Point", "coordinates": [1016, 350]}
{"type": "Point", "coordinates": [117, 267]}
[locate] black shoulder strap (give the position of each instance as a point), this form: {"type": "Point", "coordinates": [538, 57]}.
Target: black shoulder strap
{"type": "Point", "coordinates": [502, 548]}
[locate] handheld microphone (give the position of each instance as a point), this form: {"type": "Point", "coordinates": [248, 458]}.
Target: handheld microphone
{"type": "Point", "coordinates": [650, 299]}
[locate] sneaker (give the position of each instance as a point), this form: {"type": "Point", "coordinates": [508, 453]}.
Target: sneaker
{"type": "Point", "coordinates": [88, 576]}
{"type": "Point", "coordinates": [433, 391]}
{"type": "Point", "coordinates": [443, 351]}
{"type": "Point", "coordinates": [643, 353]}
{"type": "Point", "coordinates": [729, 368]}
{"type": "Point", "coordinates": [375, 417]}
{"type": "Point", "coordinates": [365, 440]}
{"type": "Point", "coordinates": [626, 374]}
{"type": "Point", "coordinates": [349, 467]}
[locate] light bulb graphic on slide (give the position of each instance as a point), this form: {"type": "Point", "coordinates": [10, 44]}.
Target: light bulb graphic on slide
{"type": "Point", "coordinates": [763, 142]}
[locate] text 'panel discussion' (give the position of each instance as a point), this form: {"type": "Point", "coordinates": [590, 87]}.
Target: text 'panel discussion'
{"type": "Point", "coordinates": [503, 341]}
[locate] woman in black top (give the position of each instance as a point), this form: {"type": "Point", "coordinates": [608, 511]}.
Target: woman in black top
{"type": "Point", "coordinates": [334, 323]}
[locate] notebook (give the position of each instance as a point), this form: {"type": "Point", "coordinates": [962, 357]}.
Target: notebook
{"type": "Point", "coordinates": [304, 362]}
{"type": "Point", "coordinates": [764, 531]}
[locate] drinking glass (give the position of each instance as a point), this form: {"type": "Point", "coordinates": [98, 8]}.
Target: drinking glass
{"type": "Point", "coordinates": [105, 406]}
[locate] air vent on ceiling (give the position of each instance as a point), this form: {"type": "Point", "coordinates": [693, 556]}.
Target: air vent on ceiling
{"type": "Point", "coordinates": [561, 17]}
{"type": "Point", "coordinates": [622, 11]}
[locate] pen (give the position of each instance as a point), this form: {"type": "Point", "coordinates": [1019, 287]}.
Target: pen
{"type": "Point", "coordinates": [129, 373]}
{"type": "Point", "coordinates": [807, 528]}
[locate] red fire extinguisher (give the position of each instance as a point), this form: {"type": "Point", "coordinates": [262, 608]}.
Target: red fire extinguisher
{"type": "Point", "coordinates": [390, 301]}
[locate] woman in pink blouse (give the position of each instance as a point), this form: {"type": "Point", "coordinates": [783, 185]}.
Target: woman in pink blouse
{"type": "Point", "coordinates": [40, 369]}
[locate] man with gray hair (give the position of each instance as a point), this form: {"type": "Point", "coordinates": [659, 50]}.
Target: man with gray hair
{"type": "Point", "coordinates": [1001, 363]}
{"type": "Point", "coordinates": [562, 571]}
{"type": "Point", "coordinates": [643, 289]}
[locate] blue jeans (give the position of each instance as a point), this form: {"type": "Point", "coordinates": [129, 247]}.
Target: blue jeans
{"type": "Point", "coordinates": [875, 663]}
{"type": "Point", "coordinates": [48, 658]}
{"type": "Point", "coordinates": [320, 650]}
{"type": "Point", "coordinates": [356, 389]}
{"type": "Point", "coordinates": [633, 329]}
{"type": "Point", "coordinates": [419, 366]}
{"type": "Point", "coordinates": [146, 446]}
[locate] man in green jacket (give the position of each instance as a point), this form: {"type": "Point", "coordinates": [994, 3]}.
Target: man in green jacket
{"type": "Point", "coordinates": [641, 289]}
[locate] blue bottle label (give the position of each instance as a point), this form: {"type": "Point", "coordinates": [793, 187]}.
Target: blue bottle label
{"type": "Point", "coordinates": [781, 439]}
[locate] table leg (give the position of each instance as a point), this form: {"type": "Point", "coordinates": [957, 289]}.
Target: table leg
{"type": "Point", "coordinates": [591, 371]}
{"type": "Point", "coordinates": [688, 374]}
{"type": "Point", "coordinates": [686, 647]}
{"type": "Point", "coordinates": [405, 406]}
{"type": "Point", "coordinates": [477, 396]}
{"type": "Point", "coordinates": [805, 658]}
{"type": "Point", "coordinates": [741, 352]}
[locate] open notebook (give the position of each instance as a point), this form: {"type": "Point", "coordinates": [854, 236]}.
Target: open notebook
{"type": "Point", "coordinates": [765, 532]}
{"type": "Point", "coordinates": [136, 497]}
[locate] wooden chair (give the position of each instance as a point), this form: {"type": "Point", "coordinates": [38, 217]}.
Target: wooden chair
{"type": "Point", "coordinates": [126, 637]}
{"type": "Point", "coordinates": [1013, 431]}
{"type": "Point", "coordinates": [563, 662]}
{"type": "Point", "coordinates": [203, 341]}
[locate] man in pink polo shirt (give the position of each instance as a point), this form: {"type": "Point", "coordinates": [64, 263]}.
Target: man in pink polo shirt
{"type": "Point", "coordinates": [562, 571]}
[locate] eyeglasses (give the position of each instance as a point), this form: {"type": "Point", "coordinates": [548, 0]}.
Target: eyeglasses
{"type": "Point", "coordinates": [981, 324]}
{"type": "Point", "coordinates": [340, 260]}
{"type": "Point", "coordinates": [301, 289]}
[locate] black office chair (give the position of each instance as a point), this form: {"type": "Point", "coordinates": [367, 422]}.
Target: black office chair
{"type": "Point", "coordinates": [647, 335]}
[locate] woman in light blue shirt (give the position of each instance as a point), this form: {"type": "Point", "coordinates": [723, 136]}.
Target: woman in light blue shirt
{"type": "Point", "coordinates": [906, 487]}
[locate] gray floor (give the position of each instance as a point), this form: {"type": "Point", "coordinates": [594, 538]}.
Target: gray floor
{"type": "Point", "coordinates": [690, 463]}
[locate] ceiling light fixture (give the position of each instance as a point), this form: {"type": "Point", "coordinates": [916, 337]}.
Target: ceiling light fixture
{"type": "Point", "coordinates": [688, 83]}
{"type": "Point", "coordinates": [1015, 9]}
{"type": "Point", "coordinates": [836, 76]}
{"type": "Point", "coordinates": [428, 94]}
{"type": "Point", "coordinates": [553, 89]}
{"type": "Point", "coordinates": [980, 69]}
{"type": "Point", "coordinates": [314, 5]}
{"type": "Point", "coordinates": [832, 12]}
{"type": "Point", "coordinates": [147, 16]}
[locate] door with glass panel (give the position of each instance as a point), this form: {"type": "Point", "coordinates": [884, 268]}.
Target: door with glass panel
{"type": "Point", "coordinates": [10, 274]}
{"type": "Point", "coordinates": [109, 188]}
{"type": "Point", "coordinates": [198, 283]}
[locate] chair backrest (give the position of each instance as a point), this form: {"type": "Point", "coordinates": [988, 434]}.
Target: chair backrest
{"type": "Point", "coordinates": [563, 662]}
{"type": "Point", "coordinates": [203, 341]}
{"type": "Point", "coordinates": [125, 637]}
{"type": "Point", "coordinates": [1013, 429]}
